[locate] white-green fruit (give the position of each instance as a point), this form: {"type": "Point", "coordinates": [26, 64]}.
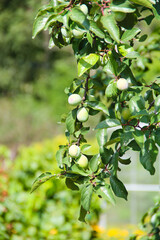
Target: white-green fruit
{"type": "Point", "coordinates": [126, 113]}
{"type": "Point", "coordinates": [74, 99]}
{"type": "Point", "coordinates": [122, 84]}
{"type": "Point", "coordinates": [77, 33]}
{"type": "Point", "coordinates": [83, 161]}
{"type": "Point", "coordinates": [119, 16]}
{"type": "Point", "coordinates": [84, 9]}
{"type": "Point", "coordinates": [82, 115]}
{"type": "Point", "coordinates": [74, 151]}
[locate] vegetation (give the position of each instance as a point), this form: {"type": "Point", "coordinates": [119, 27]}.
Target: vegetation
{"type": "Point", "coordinates": [104, 45]}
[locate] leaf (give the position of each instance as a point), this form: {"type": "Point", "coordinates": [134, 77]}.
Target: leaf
{"type": "Point", "coordinates": [139, 137]}
{"type": "Point", "coordinates": [129, 34]}
{"type": "Point", "coordinates": [111, 90]}
{"type": "Point", "coordinates": [85, 148]}
{"type": "Point", "coordinates": [118, 187]}
{"type": "Point", "coordinates": [96, 30]}
{"type": "Point", "coordinates": [115, 162]}
{"type": "Point", "coordinates": [157, 104]}
{"type": "Point", "coordinates": [136, 104]}
{"type": "Point", "coordinates": [157, 136]}
{"type": "Point", "coordinates": [78, 170]}
{"type": "Point", "coordinates": [109, 24]}
{"type": "Point", "coordinates": [108, 123]}
{"type": "Point", "coordinates": [96, 105]}
{"type": "Point", "coordinates": [44, 177]}
{"type": "Point", "coordinates": [78, 16]}
{"type": "Point", "coordinates": [101, 136]}
{"type": "Point", "coordinates": [105, 155]}
{"type": "Point", "coordinates": [70, 121]}
{"type": "Point", "coordinates": [106, 193]}
{"type": "Point", "coordinates": [148, 155]}
{"type": "Point", "coordinates": [122, 6]}
{"type": "Point", "coordinates": [145, 3]}
{"type": "Point", "coordinates": [124, 161]}
{"type": "Point", "coordinates": [82, 214]}
{"type": "Point", "coordinates": [60, 156]}
{"type": "Point", "coordinates": [111, 66]}
{"type": "Point", "coordinates": [39, 25]}
{"type": "Point", "coordinates": [70, 184]}
{"type": "Point", "coordinates": [86, 195]}
{"type": "Point", "coordinates": [93, 163]}
{"type": "Point", "coordinates": [87, 62]}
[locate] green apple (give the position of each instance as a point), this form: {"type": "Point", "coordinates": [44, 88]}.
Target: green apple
{"type": "Point", "coordinates": [82, 115]}
{"type": "Point", "coordinates": [84, 9]}
{"type": "Point", "coordinates": [122, 84]}
{"type": "Point", "coordinates": [126, 113]}
{"type": "Point", "coordinates": [119, 16]}
{"type": "Point", "coordinates": [74, 151]}
{"type": "Point", "coordinates": [83, 161]}
{"type": "Point", "coordinates": [74, 99]}
{"type": "Point", "coordinates": [77, 33]}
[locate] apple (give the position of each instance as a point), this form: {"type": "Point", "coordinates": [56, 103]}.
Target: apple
{"type": "Point", "coordinates": [74, 99]}
{"type": "Point", "coordinates": [82, 115]}
{"type": "Point", "coordinates": [119, 16]}
{"type": "Point", "coordinates": [122, 84]}
{"type": "Point", "coordinates": [77, 33]}
{"type": "Point", "coordinates": [126, 113]}
{"type": "Point", "coordinates": [84, 9]}
{"type": "Point", "coordinates": [83, 161]}
{"type": "Point", "coordinates": [74, 151]}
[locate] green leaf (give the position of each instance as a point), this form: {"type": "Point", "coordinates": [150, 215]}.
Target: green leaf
{"type": "Point", "coordinates": [70, 184]}
{"type": "Point", "coordinates": [110, 25]}
{"type": "Point", "coordinates": [101, 137]}
{"type": "Point", "coordinates": [59, 156]}
{"type": "Point", "coordinates": [86, 195]}
{"type": "Point", "coordinates": [39, 25]}
{"type": "Point", "coordinates": [96, 105]}
{"type": "Point", "coordinates": [115, 162]}
{"type": "Point", "coordinates": [130, 34]}
{"type": "Point", "coordinates": [157, 136]}
{"type": "Point", "coordinates": [145, 3]}
{"type": "Point", "coordinates": [44, 177]}
{"type": "Point", "coordinates": [111, 66]}
{"type": "Point", "coordinates": [122, 6]}
{"type": "Point", "coordinates": [136, 104]}
{"type": "Point", "coordinates": [82, 214]}
{"type": "Point", "coordinates": [124, 161]}
{"type": "Point", "coordinates": [118, 187]}
{"type": "Point", "coordinates": [78, 170]}
{"type": "Point", "coordinates": [106, 193]}
{"type": "Point", "coordinates": [148, 155]}
{"type": "Point", "coordinates": [112, 141]}
{"type": "Point", "coordinates": [157, 104]}
{"type": "Point", "coordinates": [96, 30]}
{"type": "Point", "coordinates": [85, 148]}
{"type": "Point", "coordinates": [79, 17]}
{"type": "Point", "coordinates": [139, 137]}
{"type": "Point", "coordinates": [108, 123]}
{"type": "Point", "coordinates": [111, 90]}
{"type": "Point", "coordinates": [70, 121]}
{"type": "Point", "coordinates": [105, 155]}
{"type": "Point", "coordinates": [87, 62]}
{"type": "Point", "coordinates": [93, 163]}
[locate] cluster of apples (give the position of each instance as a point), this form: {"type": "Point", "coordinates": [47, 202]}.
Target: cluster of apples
{"type": "Point", "coordinates": [75, 152]}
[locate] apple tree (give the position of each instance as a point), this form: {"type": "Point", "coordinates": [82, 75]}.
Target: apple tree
{"type": "Point", "coordinates": [105, 37]}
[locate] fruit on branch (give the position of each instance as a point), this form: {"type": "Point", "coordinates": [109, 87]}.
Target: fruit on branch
{"type": "Point", "coordinates": [119, 16]}
{"type": "Point", "coordinates": [83, 161]}
{"type": "Point", "coordinates": [77, 33]}
{"type": "Point", "coordinates": [126, 113]}
{"type": "Point", "coordinates": [82, 115]}
{"type": "Point", "coordinates": [74, 99]}
{"type": "Point", "coordinates": [74, 151]}
{"type": "Point", "coordinates": [122, 84]}
{"type": "Point", "coordinates": [84, 9]}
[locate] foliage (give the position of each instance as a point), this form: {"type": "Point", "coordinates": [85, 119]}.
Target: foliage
{"type": "Point", "coordinates": [150, 223]}
{"type": "Point", "coordinates": [105, 49]}
{"type": "Point", "coordinates": [38, 216]}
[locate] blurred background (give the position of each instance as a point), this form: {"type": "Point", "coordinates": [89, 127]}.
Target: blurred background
{"type": "Point", "coordinates": [32, 100]}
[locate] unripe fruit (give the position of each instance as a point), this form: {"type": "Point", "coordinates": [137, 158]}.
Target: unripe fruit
{"type": "Point", "coordinates": [82, 115]}
{"type": "Point", "coordinates": [122, 84]}
{"type": "Point", "coordinates": [77, 33]}
{"type": "Point", "coordinates": [126, 113]}
{"type": "Point", "coordinates": [119, 16]}
{"type": "Point", "coordinates": [83, 161]}
{"type": "Point", "coordinates": [74, 151]}
{"type": "Point", "coordinates": [84, 9]}
{"type": "Point", "coordinates": [74, 99]}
